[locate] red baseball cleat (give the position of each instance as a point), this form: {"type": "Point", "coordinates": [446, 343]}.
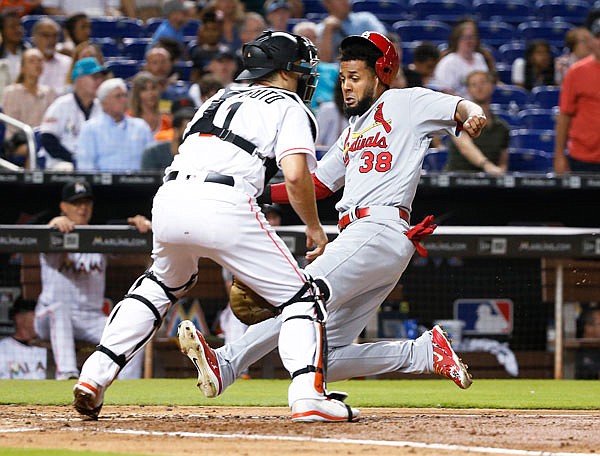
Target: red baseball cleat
{"type": "Point", "coordinates": [445, 360]}
{"type": "Point", "coordinates": [193, 345]}
{"type": "Point", "coordinates": [87, 399]}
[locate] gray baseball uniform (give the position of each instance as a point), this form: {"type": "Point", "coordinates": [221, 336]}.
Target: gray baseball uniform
{"type": "Point", "coordinates": [377, 160]}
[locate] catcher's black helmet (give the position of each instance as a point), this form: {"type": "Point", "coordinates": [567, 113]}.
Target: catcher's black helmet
{"type": "Point", "coordinates": [273, 51]}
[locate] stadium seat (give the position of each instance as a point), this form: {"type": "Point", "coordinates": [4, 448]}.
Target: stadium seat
{"type": "Point", "coordinates": [506, 95]}
{"type": "Point", "coordinates": [176, 91]}
{"type": "Point", "coordinates": [191, 28]}
{"type": "Point", "coordinates": [553, 31]}
{"type": "Point", "coordinates": [108, 47]}
{"type": "Point", "coordinates": [533, 139]}
{"type": "Point", "coordinates": [510, 51]}
{"type": "Point", "coordinates": [435, 159]}
{"type": "Point", "coordinates": [538, 119]}
{"type": "Point", "coordinates": [573, 11]}
{"type": "Point", "coordinates": [529, 160]}
{"type": "Point", "coordinates": [184, 69]}
{"type": "Point", "coordinates": [545, 97]}
{"type": "Point", "coordinates": [313, 6]}
{"type": "Point", "coordinates": [151, 26]}
{"type": "Point", "coordinates": [123, 68]}
{"type": "Point", "coordinates": [504, 72]}
{"type": "Point", "coordinates": [434, 31]}
{"type": "Point", "coordinates": [28, 21]}
{"type": "Point", "coordinates": [386, 10]}
{"type": "Point", "coordinates": [135, 48]}
{"type": "Point", "coordinates": [495, 33]}
{"type": "Point", "coordinates": [117, 28]}
{"type": "Point", "coordinates": [511, 11]}
{"type": "Point", "coordinates": [451, 10]}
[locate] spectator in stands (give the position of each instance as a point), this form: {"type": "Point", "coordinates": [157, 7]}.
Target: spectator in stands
{"type": "Point", "coordinates": [13, 44]}
{"type": "Point", "coordinates": [159, 62]}
{"type": "Point", "coordinates": [158, 156]}
{"type": "Point", "coordinates": [27, 100]}
{"type": "Point", "coordinates": [462, 58]}
{"type": "Point", "coordinates": [331, 119]}
{"type": "Point", "coordinates": [205, 88]}
{"type": "Point", "coordinates": [278, 13]}
{"type": "Point", "coordinates": [489, 151]}
{"type": "Point", "coordinates": [93, 8]}
{"type": "Point", "coordinates": [252, 26]}
{"type": "Point", "coordinates": [142, 9]}
{"type": "Point", "coordinates": [145, 97]}
{"type": "Point", "coordinates": [328, 71]}
{"type": "Point", "coordinates": [70, 306]}
{"type": "Point", "coordinates": [341, 22]}
{"type": "Point", "coordinates": [176, 15]}
{"type": "Point", "coordinates": [208, 41]}
{"type": "Point", "coordinates": [578, 122]}
{"type": "Point", "coordinates": [45, 34]}
{"type": "Point", "coordinates": [64, 117]}
{"type": "Point", "coordinates": [588, 359]}
{"type": "Point", "coordinates": [113, 141]}
{"type": "Point", "coordinates": [224, 66]}
{"type": "Point", "coordinates": [577, 41]}
{"type": "Point", "coordinates": [81, 51]}
{"type": "Point", "coordinates": [536, 68]}
{"type": "Point", "coordinates": [421, 70]}
{"type": "Point", "coordinates": [233, 16]}
{"type": "Point", "coordinates": [18, 358]}
{"type": "Point", "coordinates": [76, 29]}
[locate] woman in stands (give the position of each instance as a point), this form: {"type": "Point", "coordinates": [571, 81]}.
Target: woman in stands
{"type": "Point", "coordinates": [145, 97]}
{"type": "Point", "coordinates": [26, 100]}
{"type": "Point", "coordinates": [76, 29]}
{"type": "Point", "coordinates": [537, 68]}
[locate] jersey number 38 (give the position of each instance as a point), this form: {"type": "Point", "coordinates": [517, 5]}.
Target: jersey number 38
{"type": "Point", "coordinates": [381, 162]}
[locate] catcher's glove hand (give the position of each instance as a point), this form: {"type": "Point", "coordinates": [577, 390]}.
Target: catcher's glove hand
{"type": "Point", "coordinates": [249, 307]}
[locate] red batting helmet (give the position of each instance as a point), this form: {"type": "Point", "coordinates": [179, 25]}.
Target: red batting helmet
{"type": "Point", "coordinates": [386, 66]}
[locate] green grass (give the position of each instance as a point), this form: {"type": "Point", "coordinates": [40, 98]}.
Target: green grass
{"type": "Point", "coordinates": [513, 393]}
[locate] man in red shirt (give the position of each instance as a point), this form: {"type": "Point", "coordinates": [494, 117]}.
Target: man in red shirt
{"type": "Point", "coordinates": [579, 118]}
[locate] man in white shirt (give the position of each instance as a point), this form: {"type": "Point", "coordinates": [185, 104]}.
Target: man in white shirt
{"type": "Point", "coordinates": [45, 35]}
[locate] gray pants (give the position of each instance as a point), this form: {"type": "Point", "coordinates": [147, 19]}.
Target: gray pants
{"type": "Point", "coordinates": [363, 264]}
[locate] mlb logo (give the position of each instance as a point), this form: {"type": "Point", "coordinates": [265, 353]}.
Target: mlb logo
{"type": "Point", "coordinates": [485, 316]}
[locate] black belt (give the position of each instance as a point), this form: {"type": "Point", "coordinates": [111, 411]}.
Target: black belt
{"type": "Point", "coordinates": [215, 178]}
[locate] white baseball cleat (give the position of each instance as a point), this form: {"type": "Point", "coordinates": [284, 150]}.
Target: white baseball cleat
{"type": "Point", "coordinates": [445, 360]}
{"type": "Point", "coordinates": [324, 410]}
{"type": "Point", "coordinates": [88, 399]}
{"type": "Point", "coordinates": [205, 359]}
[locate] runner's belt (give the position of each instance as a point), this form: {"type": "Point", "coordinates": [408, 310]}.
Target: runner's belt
{"type": "Point", "coordinates": [381, 211]}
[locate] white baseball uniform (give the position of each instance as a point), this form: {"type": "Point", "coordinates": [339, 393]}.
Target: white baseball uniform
{"type": "Point", "coordinates": [207, 208]}
{"type": "Point", "coordinates": [64, 119]}
{"type": "Point", "coordinates": [377, 160]}
{"type": "Point", "coordinates": [21, 361]}
{"type": "Point", "coordinates": [70, 307]}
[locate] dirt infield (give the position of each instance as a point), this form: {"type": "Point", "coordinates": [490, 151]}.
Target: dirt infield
{"type": "Point", "coordinates": [268, 431]}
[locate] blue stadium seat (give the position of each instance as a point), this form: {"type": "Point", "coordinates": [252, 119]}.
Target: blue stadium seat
{"type": "Point", "coordinates": [533, 139]}
{"type": "Point", "coordinates": [552, 31]}
{"type": "Point", "coordinates": [434, 31]}
{"type": "Point", "coordinates": [191, 28]}
{"type": "Point", "coordinates": [117, 28]}
{"type": "Point", "coordinates": [385, 10]}
{"type": "Point", "coordinates": [529, 160]}
{"type": "Point", "coordinates": [573, 11]}
{"type": "Point", "coordinates": [495, 33]}
{"type": "Point", "coordinates": [511, 11]}
{"type": "Point", "coordinates": [175, 91]}
{"type": "Point", "coordinates": [151, 26]}
{"type": "Point", "coordinates": [108, 47]}
{"type": "Point", "coordinates": [435, 159]}
{"type": "Point", "coordinates": [135, 48]}
{"type": "Point", "coordinates": [184, 69]}
{"type": "Point", "coordinates": [545, 97]}
{"type": "Point", "coordinates": [504, 72]}
{"type": "Point", "coordinates": [123, 68]}
{"type": "Point", "coordinates": [505, 94]}
{"type": "Point", "coordinates": [313, 6]}
{"type": "Point", "coordinates": [510, 51]}
{"type": "Point", "coordinates": [540, 119]}
{"type": "Point", "coordinates": [451, 10]}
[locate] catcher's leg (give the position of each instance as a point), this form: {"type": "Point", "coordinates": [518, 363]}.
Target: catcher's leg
{"type": "Point", "coordinates": [303, 351]}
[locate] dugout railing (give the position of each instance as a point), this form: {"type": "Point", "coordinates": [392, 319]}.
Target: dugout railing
{"type": "Point", "coordinates": [543, 270]}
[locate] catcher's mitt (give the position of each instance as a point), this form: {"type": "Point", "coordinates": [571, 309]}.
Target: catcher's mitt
{"type": "Point", "coordinates": [248, 306]}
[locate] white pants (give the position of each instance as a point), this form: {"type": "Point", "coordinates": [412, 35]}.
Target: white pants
{"type": "Point", "coordinates": [192, 219]}
{"type": "Point", "coordinates": [363, 264]}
